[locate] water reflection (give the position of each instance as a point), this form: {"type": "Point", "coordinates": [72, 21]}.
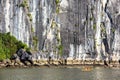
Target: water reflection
{"type": "Point", "coordinates": [59, 74]}
{"type": "Point", "coordinates": [99, 73]}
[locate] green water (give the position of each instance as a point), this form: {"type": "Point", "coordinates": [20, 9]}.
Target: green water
{"type": "Point", "coordinates": [98, 73]}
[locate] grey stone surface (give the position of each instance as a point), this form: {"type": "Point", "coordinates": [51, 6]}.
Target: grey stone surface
{"type": "Point", "coordinates": [85, 28]}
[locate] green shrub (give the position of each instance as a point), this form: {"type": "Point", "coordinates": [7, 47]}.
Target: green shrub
{"type": "Point", "coordinates": [30, 16]}
{"type": "Point", "coordinates": [21, 45]}
{"type": "Point", "coordinates": [94, 26]}
{"type": "Point", "coordinates": [60, 49]}
{"type": "Point", "coordinates": [27, 49]}
{"type": "Point", "coordinates": [9, 45]}
{"type": "Point", "coordinates": [57, 6]}
{"type": "Point", "coordinates": [91, 18]}
{"type": "Point", "coordinates": [113, 30]}
{"type": "Point", "coordinates": [24, 4]}
{"type": "Point", "coordinates": [57, 10]}
{"type": "Point", "coordinates": [35, 42]}
{"type": "Point", "coordinates": [32, 29]}
{"type": "Point", "coordinates": [57, 2]}
{"type": "Point", "coordinates": [2, 54]}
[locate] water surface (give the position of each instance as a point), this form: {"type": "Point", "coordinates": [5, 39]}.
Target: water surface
{"type": "Point", "coordinates": [98, 73]}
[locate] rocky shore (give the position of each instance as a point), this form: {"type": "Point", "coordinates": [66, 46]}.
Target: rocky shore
{"type": "Point", "coordinates": [58, 63]}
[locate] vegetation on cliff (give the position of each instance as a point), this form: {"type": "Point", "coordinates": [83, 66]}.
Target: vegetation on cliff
{"type": "Point", "coordinates": [9, 45]}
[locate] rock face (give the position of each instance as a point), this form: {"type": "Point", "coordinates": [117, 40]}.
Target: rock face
{"type": "Point", "coordinates": [78, 29]}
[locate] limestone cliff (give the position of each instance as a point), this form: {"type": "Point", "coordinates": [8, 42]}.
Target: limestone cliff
{"type": "Point", "coordinates": [79, 29]}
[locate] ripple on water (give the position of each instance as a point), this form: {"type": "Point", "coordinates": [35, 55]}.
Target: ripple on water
{"type": "Point", "coordinates": [98, 73]}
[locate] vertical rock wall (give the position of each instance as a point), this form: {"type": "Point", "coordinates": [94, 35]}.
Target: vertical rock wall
{"type": "Point", "coordinates": [78, 29]}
